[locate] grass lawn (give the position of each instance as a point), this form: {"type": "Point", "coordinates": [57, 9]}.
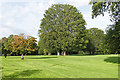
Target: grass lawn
{"type": "Point", "coordinates": [92, 66]}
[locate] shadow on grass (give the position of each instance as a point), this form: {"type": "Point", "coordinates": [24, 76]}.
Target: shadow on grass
{"type": "Point", "coordinates": [113, 60]}
{"type": "Point", "coordinates": [39, 57]}
{"type": "Point", "coordinates": [22, 74]}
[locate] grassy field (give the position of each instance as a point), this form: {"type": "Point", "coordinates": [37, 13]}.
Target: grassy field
{"type": "Point", "coordinates": [95, 66]}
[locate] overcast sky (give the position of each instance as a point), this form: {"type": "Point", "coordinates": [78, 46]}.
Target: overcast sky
{"type": "Point", "coordinates": [24, 16]}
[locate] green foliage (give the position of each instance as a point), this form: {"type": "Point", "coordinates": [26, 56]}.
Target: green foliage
{"type": "Point", "coordinates": [6, 45]}
{"type": "Point", "coordinates": [23, 44]}
{"type": "Point", "coordinates": [41, 47]}
{"type": "Point", "coordinates": [113, 38]}
{"type": "Point", "coordinates": [62, 29]}
{"type": "Point", "coordinates": [112, 7]}
{"type": "Point", "coordinates": [20, 44]}
{"type": "Point", "coordinates": [96, 39]}
{"type": "Point", "coordinates": [112, 42]}
{"type": "Point", "coordinates": [0, 47]}
{"type": "Point", "coordinates": [3, 41]}
{"type": "Point", "coordinates": [45, 51]}
{"type": "Point", "coordinates": [81, 52]}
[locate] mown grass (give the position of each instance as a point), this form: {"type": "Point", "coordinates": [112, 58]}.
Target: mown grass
{"type": "Point", "coordinates": [93, 66]}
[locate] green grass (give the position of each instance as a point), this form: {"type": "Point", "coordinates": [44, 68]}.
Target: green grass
{"type": "Point", "coordinates": [93, 66]}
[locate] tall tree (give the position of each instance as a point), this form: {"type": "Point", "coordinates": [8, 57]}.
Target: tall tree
{"type": "Point", "coordinates": [96, 39]}
{"type": "Point", "coordinates": [62, 29]}
{"type": "Point", "coordinates": [113, 38]}
{"type": "Point", "coordinates": [113, 32]}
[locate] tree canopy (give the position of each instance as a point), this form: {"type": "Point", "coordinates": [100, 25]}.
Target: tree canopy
{"type": "Point", "coordinates": [112, 7]}
{"type": "Point", "coordinates": [19, 44]}
{"type": "Point", "coordinates": [62, 29]}
{"type": "Point", "coordinates": [113, 32]}
{"type": "Point", "coordinates": [96, 39]}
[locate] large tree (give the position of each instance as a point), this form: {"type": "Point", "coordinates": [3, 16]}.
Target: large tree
{"type": "Point", "coordinates": [23, 44]}
{"type": "Point", "coordinates": [18, 44]}
{"type": "Point", "coordinates": [113, 33]}
{"type": "Point", "coordinates": [62, 29]}
{"type": "Point", "coordinates": [96, 39]}
{"type": "Point", "coordinates": [113, 38]}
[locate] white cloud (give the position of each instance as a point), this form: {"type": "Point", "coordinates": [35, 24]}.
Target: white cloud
{"type": "Point", "coordinates": [23, 19]}
{"type": "Point", "coordinates": [100, 21]}
{"type": "Point", "coordinates": [0, 4]}
{"type": "Point", "coordinates": [24, 16]}
{"type": "Point", "coordinates": [1, 16]}
{"type": "Point", "coordinates": [41, 1]}
{"type": "Point", "coordinates": [79, 3]}
{"type": "Point", "coordinates": [25, 10]}
{"type": "Point", "coordinates": [4, 32]}
{"type": "Point", "coordinates": [0, 13]}
{"type": "Point", "coordinates": [9, 24]}
{"type": "Point", "coordinates": [76, 3]}
{"type": "Point", "coordinates": [51, 2]}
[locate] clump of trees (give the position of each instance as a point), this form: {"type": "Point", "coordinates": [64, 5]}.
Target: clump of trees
{"type": "Point", "coordinates": [112, 40]}
{"type": "Point", "coordinates": [19, 44]}
{"type": "Point", "coordinates": [62, 30]}
{"type": "Point", "coordinates": [96, 38]}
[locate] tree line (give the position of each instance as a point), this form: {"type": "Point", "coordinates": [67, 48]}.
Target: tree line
{"type": "Point", "coordinates": [63, 32]}
{"type": "Point", "coordinates": [18, 45]}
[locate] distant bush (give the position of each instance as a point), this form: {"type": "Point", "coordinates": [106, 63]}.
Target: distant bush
{"type": "Point", "coordinates": [1, 67]}
{"type": "Point", "coordinates": [81, 52]}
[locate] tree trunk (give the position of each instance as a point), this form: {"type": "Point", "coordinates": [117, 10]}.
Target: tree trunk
{"type": "Point", "coordinates": [49, 53]}
{"type": "Point", "coordinates": [64, 53]}
{"type": "Point", "coordinates": [22, 58]}
{"type": "Point", "coordinates": [58, 53]}
{"type": "Point", "coordinates": [5, 55]}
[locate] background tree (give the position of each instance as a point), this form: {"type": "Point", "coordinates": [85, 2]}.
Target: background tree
{"type": "Point", "coordinates": [23, 44]}
{"type": "Point", "coordinates": [90, 46]}
{"type": "Point", "coordinates": [62, 29]}
{"type": "Point", "coordinates": [4, 50]}
{"type": "Point", "coordinates": [113, 38]}
{"type": "Point", "coordinates": [0, 48]}
{"type": "Point", "coordinates": [7, 45]}
{"type": "Point", "coordinates": [113, 32]}
{"type": "Point", "coordinates": [41, 48]}
{"type": "Point", "coordinates": [96, 40]}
